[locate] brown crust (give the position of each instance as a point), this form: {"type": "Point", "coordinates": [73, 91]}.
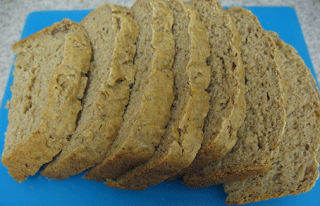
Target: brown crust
{"type": "Point", "coordinates": [20, 168]}
{"type": "Point", "coordinates": [257, 199]}
{"type": "Point", "coordinates": [32, 37]}
{"type": "Point", "coordinates": [45, 31]}
{"type": "Point", "coordinates": [216, 179]}
{"type": "Point", "coordinates": [150, 174]}
{"type": "Point", "coordinates": [45, 142]}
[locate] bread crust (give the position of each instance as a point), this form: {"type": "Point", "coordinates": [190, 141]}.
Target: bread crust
{"type": "Point", "coordinates": [221, 177]}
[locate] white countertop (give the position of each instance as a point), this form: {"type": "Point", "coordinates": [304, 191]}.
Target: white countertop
{"type": "Point", "coordinates": [13, 14]}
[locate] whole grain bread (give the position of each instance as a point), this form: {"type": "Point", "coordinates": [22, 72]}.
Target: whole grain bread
{"type": "Point", "coordinates": [183, 137]}
{"type": "Point", "coordinates": [111, 75]}
{"type": "Point", "coordinates": [49, 82]}
{"type": "Point", "coordinates": [226, 89]}
{"type": "Point", "coordinates": [152, 95]}
{"type": "Point", "coordinates": [295, 170]}
{"type": "Point", "coordinates": [261, 133]}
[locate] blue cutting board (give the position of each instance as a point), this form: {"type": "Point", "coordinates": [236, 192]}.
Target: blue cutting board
{"type": "Point", "coordinates": [38, 190]}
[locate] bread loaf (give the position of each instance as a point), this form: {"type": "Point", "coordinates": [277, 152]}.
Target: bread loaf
{"type": "Point", "coordinates": [295, 170]}
{"type": "Point", "coordinates": [113, 33]}
{"type": "Point", "coordinates": [182, 139]}
{"type": "Point", "coordinates": [49, 82]}
{"type": "Point", "coordinates": [148, 110]}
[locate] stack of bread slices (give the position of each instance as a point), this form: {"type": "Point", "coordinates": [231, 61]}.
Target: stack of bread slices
{"type": "Point", "coordinates": [163, 90]}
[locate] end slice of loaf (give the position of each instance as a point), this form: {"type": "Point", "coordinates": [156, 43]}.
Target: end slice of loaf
{"type": "Point", "coordinates": [261, 133]}
{"type": "Point", "coordinates": [226, 89]}
{"type": "Point", "coordinates": [183, 136]}
{"type": "Point", "coordinates": [295, 170]}
{"type": "Point", "coordinates": [111, 75]}
{"type": "Point", "coordinates": [49, 82]}
{"type": "Point", "coordinates": [152, 95]}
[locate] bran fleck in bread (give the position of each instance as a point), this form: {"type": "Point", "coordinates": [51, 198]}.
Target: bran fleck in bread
{"type": "Point", "coordinates": [295, 170]}
{"type": "Point", "coordinates": [111, 76]}
{"type": "Point", "coordinates": [148, 110]}
{"type": "Point", "coordinates": [49, 82]}
{"type": "Point", "coordinates": [183, 136]}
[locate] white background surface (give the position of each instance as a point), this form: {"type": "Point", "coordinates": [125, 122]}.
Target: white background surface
{"type": "Point", "coordinates": [13, 14]}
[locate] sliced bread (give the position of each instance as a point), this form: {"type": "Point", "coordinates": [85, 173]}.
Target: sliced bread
{"type": "Point", "coordinates": [49, 82]}
{"type": "Point", "coordinates": [113, 33]}
{"type": "Point", "coordinates": [261, 133]}
{"type": "Point", "coordinates": [227, 101]}
{"type": "Point", "coordinates": [152, 94]}
{"type": "Point", "coordinates": [183, 137]}
{"type": "Point", "coordinates": [295, 170]}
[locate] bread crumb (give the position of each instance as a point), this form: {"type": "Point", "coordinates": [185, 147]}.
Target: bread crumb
{"type": "Point", "coordinates": [8, 105]}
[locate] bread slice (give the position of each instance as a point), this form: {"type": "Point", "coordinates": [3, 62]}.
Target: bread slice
{"type": "Point", "coordinates": [261, 133]}
{"type": "Point", "coordinates": [111, 75]}
{"type": "Point", "coordinates": [49, 82]}
{"type": "Point", "coordinates": [152, 95]}
{"type": "Point", "coordinates": [227, 101]}
{"type": "Point", "coordinates": [295, 170]}
{"type": "Point", "coordinates": [183, 136]}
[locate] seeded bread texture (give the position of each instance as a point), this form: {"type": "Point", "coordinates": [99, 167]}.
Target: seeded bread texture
{"type": "Point", "coordinates": [226, 89]}
{"type": "Point", "coordinates": [261, 133]}
{"type": "Point", "coordinates": [295, 170]}
{"type": "Point", "coordinates": [113, 33]}
{"type": "Point", "coordinates": [152, 95]}
{"type": "Point", "coordinates": [183, 137]}
{"type": "Point", "coordinates": [49, 82]}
